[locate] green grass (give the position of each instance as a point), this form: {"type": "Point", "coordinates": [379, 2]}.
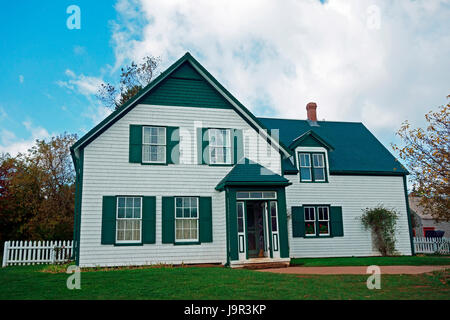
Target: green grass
{"type": "Point", "coordinates": [29, 282]}
{"type": "Point", "coordinates": [367, 261]}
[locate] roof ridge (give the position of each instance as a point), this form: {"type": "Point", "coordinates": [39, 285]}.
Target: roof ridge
{"type": "Point", "coordinates": [272, 118]}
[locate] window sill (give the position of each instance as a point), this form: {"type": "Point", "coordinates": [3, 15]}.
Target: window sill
{"type": "Point", "coordinates": [221, 164]}
{"type": "Point", "coordinates": [313, 181]}
{"type": "Point", "coordinates": [316, 236]}
{"type": "Point", "coordinates": [154, 163]}
{"type": "Point", "coordinates": [128, 244]}
{"type": "Point", "coordinates": [186, 243]}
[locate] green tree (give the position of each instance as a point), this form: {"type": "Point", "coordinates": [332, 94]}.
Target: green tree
{"type": "Point", "coordinates": [382, 222]}
{"type": "Point", "coordinates": [37, 192]}
{"type": "Point", "coordinates": [132, 79]}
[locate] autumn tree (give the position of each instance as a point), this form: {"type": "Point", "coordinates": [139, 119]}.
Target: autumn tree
{"type": "Point", "coordinates": [426, 155]}
{"type": "Point", "coordinates": [133, 78]}
{"type": "Point", "coordinates": [37, 192]}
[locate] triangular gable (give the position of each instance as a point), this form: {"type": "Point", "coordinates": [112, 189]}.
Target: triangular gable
{"type": "Point", "coordinates": [186, 69]}
{"type": "Point", "coordinates": [185, 87]}
{"type": "Point", "coordinates": [310, 139]}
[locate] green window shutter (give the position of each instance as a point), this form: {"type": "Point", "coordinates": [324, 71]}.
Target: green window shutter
{"type": "Point", "coordinates": [238, 145]}
{"type": "Point", "coordinates": [168, 220]}
{"type": "Point", "coordinates": [135, 151]}
{"type": "Point", "coordinates": [108, 220]}
{"type": "Point", "coordinates": [172, 145]}
{"type": "Point", "coordinates": [202, 146]}
{"type": "Point", "coordinates": [337, 227]}
{"type": "Point", "coordinates": [298, 222]}
{"type": "Point", "coordinates": [205, 219]}
{"type": "Point", "coordinates": [148, 219]}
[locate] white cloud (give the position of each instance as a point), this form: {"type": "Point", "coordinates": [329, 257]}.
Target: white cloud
{"type": "Point", "coordinates": [21, 78]}
{"type": "Point", "coordinates": [276, 56]}
{"type": "Point", "coordinates": [85, 85]}
{"type": "Point", "coordinates": [11, 144]}
{"type": "Point", "coordinates": [70, 73]}
{"type": "Point", "coordinates": [97, 113]}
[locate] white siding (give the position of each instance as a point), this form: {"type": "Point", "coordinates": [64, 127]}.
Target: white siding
{"type": "Point", "coordinates": [108, 172]}
{"type": "Point", "coordinates": [352, 193]}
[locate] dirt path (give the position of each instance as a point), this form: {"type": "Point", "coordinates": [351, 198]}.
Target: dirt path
{"type": "Point", "coordinates": [356, 270]}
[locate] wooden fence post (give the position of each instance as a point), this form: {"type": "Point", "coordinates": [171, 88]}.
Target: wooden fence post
{"type": "Point", "coordinates": [5, 254]}
{"type": "Point", "coordinates": [53, 253]}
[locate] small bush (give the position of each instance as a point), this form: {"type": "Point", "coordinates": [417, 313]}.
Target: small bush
{"type": "Point", "coordinates": [382, 222]}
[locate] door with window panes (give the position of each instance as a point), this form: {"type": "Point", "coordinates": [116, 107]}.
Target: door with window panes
{"type": "Point", "coordinates": [249, 237]}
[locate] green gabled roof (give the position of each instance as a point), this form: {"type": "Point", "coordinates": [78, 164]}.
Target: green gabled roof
{"type": "Point", "coordinates": [163, 91]}
{"type": "Point", "coordinates": [249, 173]}
{"type": "Point", "coordinates": [355, 149]}
{"type": "Point", "coordinates": [310, 139]}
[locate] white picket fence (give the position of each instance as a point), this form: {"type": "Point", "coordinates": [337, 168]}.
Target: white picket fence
{"type": "Point", "coordinates": [36, 252]}
{"type": "Point", "coordinates": [432, 245]}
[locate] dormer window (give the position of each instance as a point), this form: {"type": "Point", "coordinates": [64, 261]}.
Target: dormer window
{"type": "Point", "coordinates": [318, 166]}
{"type": "Point", "coordinates": [305, 166]}
{"type": "Point", "coordinates": [312, 167]}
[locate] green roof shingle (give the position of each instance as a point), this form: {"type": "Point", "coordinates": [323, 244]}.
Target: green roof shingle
{"type": "Point", "coordinates": [249, 173]}
{"type": "Point", "coordinates": [356, 149]}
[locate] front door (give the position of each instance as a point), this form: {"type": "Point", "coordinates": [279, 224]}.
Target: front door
{"type": "Point", "coordinates": [258, 234]}
{"type": "Point", "coordinates": [256, 239]}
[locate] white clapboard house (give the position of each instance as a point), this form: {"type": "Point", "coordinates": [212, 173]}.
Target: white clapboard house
{"type": "Point", "coordinates": [184, 173]}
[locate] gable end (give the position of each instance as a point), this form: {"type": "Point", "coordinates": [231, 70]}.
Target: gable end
{"type": "Point", "coordinates": [185, 87]}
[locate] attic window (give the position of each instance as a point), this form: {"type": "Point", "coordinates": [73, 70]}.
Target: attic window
{"type": "Point", "coordinates": [312, 167]}
{"type": "Point", "coordinates": [319, 166]}
{"type": "Point", "coordinates": [305, 166]}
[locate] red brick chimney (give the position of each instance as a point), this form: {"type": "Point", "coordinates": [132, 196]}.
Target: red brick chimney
{"type": "Point", "coordinates": [311, 111]}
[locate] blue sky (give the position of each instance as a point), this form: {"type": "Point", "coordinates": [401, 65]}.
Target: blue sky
{"type": "Point", "coordinates": [378, 64]}
{"type": "Point", "coordinates": [36, 50]}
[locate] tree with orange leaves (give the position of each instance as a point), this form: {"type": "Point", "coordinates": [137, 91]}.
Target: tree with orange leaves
{"type": "Point", "coordinates": [426, 155]}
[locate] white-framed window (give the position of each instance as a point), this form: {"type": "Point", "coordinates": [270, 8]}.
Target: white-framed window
{"type": "Point", "coordinates": [324, 221]}
{"type": "Point", "coordinates": [129, 220]}
{"type": "Point", "coordinates": [305, 166]}
{"type": "Point", "coordinates": [240, 216]}
{"type": "Point", "coordinates": [219, 146]}
{"type": "Point", "coordinates": [153, 144]}
{"type": "Point", "coordinates": [310, 221]}
{"type": "Point", "coordinates": [273, 216]}
{"type": "Point", "coordinates": [312, 167]}
{"type": "Point", "coordinates": [248, 195]}
{"type": "Point", "coordinates": [274, 224]}
{"type": "Point", "coordinates": [318, 166]}
{"type": "Point", "coordinates": [186, 219]}
{"type": "Point", "coordinates": [241, 225]}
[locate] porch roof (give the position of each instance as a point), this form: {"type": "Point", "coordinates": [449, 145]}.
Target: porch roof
{"type": "Point", "coordinates": [249, 173]}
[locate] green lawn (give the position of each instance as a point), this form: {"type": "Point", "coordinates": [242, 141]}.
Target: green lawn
{"type": "Point", "coordinates": [367, 261]}
{"type": "Point", "coordinates": [29, 282]}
